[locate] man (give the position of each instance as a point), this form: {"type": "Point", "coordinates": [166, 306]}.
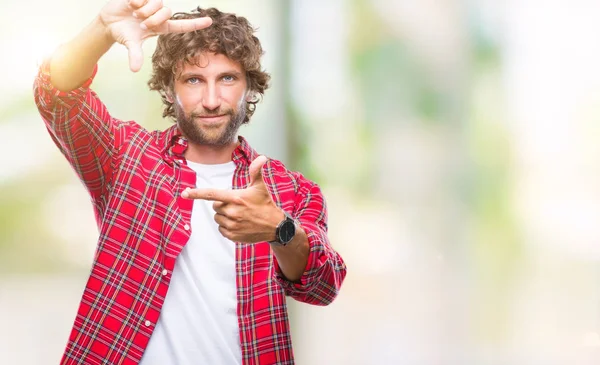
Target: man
{"type": "Point", "coordinates": [200, 238]}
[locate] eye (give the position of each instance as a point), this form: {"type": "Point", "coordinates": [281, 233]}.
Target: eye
{"type": "Point", "coordinates": [192, 80]}
{"type": "Point", "coordinates": [229, 78]}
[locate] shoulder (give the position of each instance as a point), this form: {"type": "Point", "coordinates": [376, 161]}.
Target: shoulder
{"type": "Point", "coordinates": [130, 130]}
{"type": "Point", "coordinates": [129, 134]}
{"type": "Point", "coordinates": [138, 133]}
{"type": "Point", "coordinates": [281, 176]}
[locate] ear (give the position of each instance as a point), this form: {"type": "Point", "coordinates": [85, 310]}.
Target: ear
{"type": "Point", "coordinates": [250, 96]}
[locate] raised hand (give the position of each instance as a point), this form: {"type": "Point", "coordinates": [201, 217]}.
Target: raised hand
{"type": "Point", "coordinates": [245, 215]}
{"type": "Point", "coordinates": [130, 22]}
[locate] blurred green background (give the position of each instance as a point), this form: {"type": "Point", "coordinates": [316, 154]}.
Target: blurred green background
{"type": "Point", "coordinates": [456, 143]}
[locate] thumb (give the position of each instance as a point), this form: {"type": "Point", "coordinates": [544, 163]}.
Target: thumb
{"type": "Point", "coordinates": [136, 57]}
{"type": "Point", "coordinates": [256, 170]}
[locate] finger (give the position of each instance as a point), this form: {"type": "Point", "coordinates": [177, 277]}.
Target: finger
{"type": "Point", "coordinates": [136, 4]}
{"type": "Point", "coordinates": [218, 206]}
{"type": "Point", "coordinates": [184, 25]}
{"type": "Point", "coordinates": [136, 56]}
{"type": "Point", "coordinates": [256, 170]}
{"type": "Point", "coordinates": [226, 196]}
{"type": "Point", "coordinates": [230, 211]}
{"type": "Point", "coordinates": [157, 19]}
{"type": "Point", "coordinates": [151, 7]}
{"type": "Point", "coordinates": [224, 222]}
{"type": "Point", "coordinates": [226, 233]}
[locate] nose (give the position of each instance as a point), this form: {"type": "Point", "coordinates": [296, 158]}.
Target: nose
{"type": "Point", "coordinates": [211, 99]}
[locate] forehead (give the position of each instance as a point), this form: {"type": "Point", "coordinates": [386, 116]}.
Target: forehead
{"type": "Point", "coordinates": [210, 64]}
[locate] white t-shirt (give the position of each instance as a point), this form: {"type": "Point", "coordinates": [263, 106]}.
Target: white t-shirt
{"type": "Point", "coordinates": [198, 323]}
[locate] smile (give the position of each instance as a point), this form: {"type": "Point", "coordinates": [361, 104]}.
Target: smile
{"type": "Point", "coordinates": [211, 119]}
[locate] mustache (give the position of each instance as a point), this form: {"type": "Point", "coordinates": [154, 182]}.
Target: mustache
{"type": "Point", "coordinates": [211, 113]}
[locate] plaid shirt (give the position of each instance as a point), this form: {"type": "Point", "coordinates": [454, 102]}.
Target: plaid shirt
{"type": "Point", "coordinates": [135, 178]}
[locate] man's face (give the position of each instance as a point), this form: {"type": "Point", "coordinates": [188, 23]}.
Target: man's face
{"type": "Point", "coordinates": [210, 100]}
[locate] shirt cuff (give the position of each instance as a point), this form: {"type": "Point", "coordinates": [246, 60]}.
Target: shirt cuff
{"type": "Point", "coordinates": [317, 259]}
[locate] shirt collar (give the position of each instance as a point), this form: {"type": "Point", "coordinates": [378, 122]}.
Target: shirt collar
{"type": "Point", "coordinates": [175, 145]}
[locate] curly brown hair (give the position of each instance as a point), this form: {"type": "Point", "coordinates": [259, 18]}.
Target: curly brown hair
{"type": "Point", "coordinates": [230, 35]}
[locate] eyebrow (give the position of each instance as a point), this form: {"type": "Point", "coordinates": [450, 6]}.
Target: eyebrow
{"type": "Point", "coordinates": [195, 74]}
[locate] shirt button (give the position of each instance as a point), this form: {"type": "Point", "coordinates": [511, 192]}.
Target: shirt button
{"type": "Point", "coordinates": [148, 323]}
{"type": "Point", "coordinates": [187, 227]}
{"type": "Point", "coordinates": [165, 272]}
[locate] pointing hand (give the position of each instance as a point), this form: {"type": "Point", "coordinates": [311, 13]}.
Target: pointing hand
{"type": "Point", "coordinates": [245, 215]}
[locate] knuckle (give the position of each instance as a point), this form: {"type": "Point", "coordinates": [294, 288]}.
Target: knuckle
{"type": "Point", "coordinates": [238, 216]}
{"type": "Point", "coordinates": [153, 22]}
{"type": "Point", "coordinates": [150, 23]}
{"type": "Point", "coordinates": [145, 11]}
{"type": "Point", "coordinates": [154, 14]}
{"type": "Point", "coordinates": [136, 3]}
{"type": "Point", "coordinates": [225, 233]}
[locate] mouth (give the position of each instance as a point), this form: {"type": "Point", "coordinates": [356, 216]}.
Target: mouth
{"type": "Point", "coordinates": [212, 119]}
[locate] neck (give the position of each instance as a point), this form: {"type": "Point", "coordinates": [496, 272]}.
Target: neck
{"type": "Point", "coordinates": [210, 155]}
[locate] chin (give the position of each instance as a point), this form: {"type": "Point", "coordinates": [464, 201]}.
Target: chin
{"type": "Point", "coordinates": [212, 140]}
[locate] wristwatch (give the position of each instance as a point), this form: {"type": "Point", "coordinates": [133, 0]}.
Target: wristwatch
{"type": "Point", "coordinates": [285, 231]}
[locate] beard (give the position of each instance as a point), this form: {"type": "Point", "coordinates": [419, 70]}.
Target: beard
{"type": "Point", "coordinates": [210, 136]}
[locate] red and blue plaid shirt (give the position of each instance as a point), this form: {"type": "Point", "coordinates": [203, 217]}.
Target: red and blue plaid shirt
{"type": "Point", "coordinates": [135, 178]}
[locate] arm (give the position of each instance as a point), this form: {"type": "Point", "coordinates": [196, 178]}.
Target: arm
{"type": "Point", "coordinates": [74, 62]}
{"type": "Point", "coordinates": [324, 272]}
{"type": "Point", "coordinates": [77, 120]}
{"type": "Point", "coordinates": [128, 22]}
{"type": "Point", "coordinates": [292, 258]}
{"type": "Point", "coordinates": [308, 268]}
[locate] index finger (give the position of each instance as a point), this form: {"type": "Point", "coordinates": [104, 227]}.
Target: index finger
{"type": "Point", "coordinates": [225, 196]}
{"type": "Point", "coordinates": [184, 25]}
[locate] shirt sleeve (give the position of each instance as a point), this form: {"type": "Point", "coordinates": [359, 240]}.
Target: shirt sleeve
{"type": "Point", "coordinates": [325, 271]}
{"type": "Point", "coordinates": [81, 128]}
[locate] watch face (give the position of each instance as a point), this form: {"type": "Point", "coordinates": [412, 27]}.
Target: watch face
{"type": "Point", "coordinates": [287, 231]}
